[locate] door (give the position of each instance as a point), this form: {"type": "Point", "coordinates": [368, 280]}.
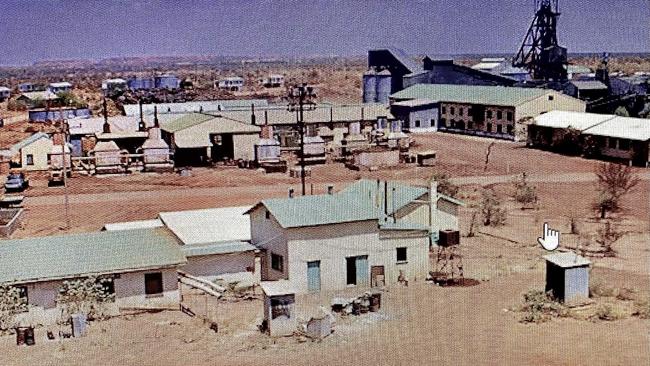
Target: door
{"type": "Point", "coordinates": [313, 276]}
{"type": "Point", "coordinates": [362, 270]}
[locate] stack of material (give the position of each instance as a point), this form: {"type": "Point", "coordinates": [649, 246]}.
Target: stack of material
{"type": "Point", "coordinates": [357, 305]}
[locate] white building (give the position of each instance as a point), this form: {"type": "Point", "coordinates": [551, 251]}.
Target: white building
{"type": "Point", "coordinates": [233, 83]}
{"type": "Point", "coordinates": [5, 93]}
{"type": "Point", "coordinates": [273, 81]}
{"type": "Point", "coordinates": [355, 237]}
{"type": "Point", "coordinates": [59, 87]}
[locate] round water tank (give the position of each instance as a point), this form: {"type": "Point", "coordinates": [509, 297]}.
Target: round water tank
{"type": "Point", "coordinates": [369, 87]}
{"type": "Point", "coordinates": [384, 81]}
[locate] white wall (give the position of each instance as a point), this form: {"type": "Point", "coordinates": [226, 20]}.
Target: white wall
{"type": "Point", "coordinates": [244, 146]}
{"type": "Point", "coordinates": [39, 150]}
{"type": "Point", "coordinates": [211, 266]}
{"type": "Point", "coordinates": [267, 234]}
{"type": "Point", "coordinates": [332, 244]}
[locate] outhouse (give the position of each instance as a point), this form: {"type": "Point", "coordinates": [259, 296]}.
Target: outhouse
{"type": "Point", "coordinates": [567, 276]}
{"type": "Point", "coordinates": [279, 307]}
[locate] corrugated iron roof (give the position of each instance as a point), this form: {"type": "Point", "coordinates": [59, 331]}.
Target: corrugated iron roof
{"type": "Point", "coordinates": [195, 250]}
{"type": "Point", "coordinates": [28, 141]}
{"type": "Point", "coordinates": [473, 94]}
{"type": "Point", "coordinates": [129, 225]}
{"type": "Point", "coordinates": [637, 129]}
{"type": "Point", "coordinates": [197, 106]}
{"type": "Point", "coordinates": [588, 84]}
{"type": "Point", "coordinates": [78, 255]}
{"type": "Point", "coordinates": [39, 95]}
{"type": "Point", "coordinates": [577, 120]}
{"type": "Point", "coordinates": [567, 260]}
{"type": "Point", "coordinates": [224, 224]}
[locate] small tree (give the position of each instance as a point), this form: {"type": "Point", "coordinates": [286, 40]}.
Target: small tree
{"type": "Point", "coordinates": [614, 181]}
{"type": "Point", "coordinates": [524, 193]}
{"type": "Point", "coordinates": [86, 296]}
{"type": "Point", "coordinates": [444, 185]}
{"type": "Point", "coordinates": [11, 303]}
{"type": "Point", "coordinates": [622, 111]}
{"type": "Point", "coordinates": [491, 210]}
{"type": "Point", "coordinates": [607, 236]}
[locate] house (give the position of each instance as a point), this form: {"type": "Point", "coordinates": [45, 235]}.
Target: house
{"type": "Point", "coordinates": [493, 111]}
{"type": "Point", "coordinates": [141, 83]}
{"type": "Point", "coordinates": [38, 98]}
{"type": "Point", "coordinates": [167, 81]}
{"type": "Point", "coordinates": [32, 152]}
{"type": "Point", "coordinates": [273, 81]}
{"type": "Point", "coordinates": [60, 87]}
{"type": "Point", "coordinates": [201, 138]}
{"type": "Point", "coordinates": [233, 83]}
{"type": "Point", "coordinates": [114, 85]}
{"type": "Point", "coordinates": [368, 234]}
{"type": "Point", "coordinates": [138, 266]}
{"type": "Point", "coordinates": [56, 114]}
{"type": "Point", "coordinates": [586, 89]}
{"type": "Point", "coordinates": [5, 93]}
{"type": "Point", "coordinates": [27, 87]}
{"type": "Point", "coordinates": [609, 136]}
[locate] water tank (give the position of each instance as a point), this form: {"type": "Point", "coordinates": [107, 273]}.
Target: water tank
{"type": "Point", "coordinates": [384, 81]}
{"type": "Point", "coordinates": [369, 86]}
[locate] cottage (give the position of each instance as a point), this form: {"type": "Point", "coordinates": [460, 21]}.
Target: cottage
{"type": "Point", "coordinates": [38, 98]}
{"type": "Point", "coordinates": [60, 87]}
{"type": "Point", "coordinates": [138, 267]}
{"type": "Point", "coordinates": [32, 152]}
{"type": "Point", "coordinates": [233, 83]}
{"type": "Point", "coordinates": [369, 234]}
{"type": "Point", "coordinates": [167, 81]}
{"type": "Point", "coordinates": [201, 138]}
{"type": "Point", "coordinates": [114, 85]}
{"type": "Point", "coordinates": [489, 110]}
{"type": "Point", "coordinates": [273, 81]}
{"type": "Point", "coordinates": [5, 93]}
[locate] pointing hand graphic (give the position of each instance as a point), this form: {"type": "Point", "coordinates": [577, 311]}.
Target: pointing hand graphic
{"type": "Point", "coordinates": [550, 239]}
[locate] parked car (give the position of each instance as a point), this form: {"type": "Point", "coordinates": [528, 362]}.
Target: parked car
{"type": "Point", "coordinates": [16, 182]}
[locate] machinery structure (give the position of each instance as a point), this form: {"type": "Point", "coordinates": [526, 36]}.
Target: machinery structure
{"type": "Point", "coordinates": [540, 52]}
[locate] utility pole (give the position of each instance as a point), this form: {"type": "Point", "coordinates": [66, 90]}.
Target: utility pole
{"type": "Point", "coordinates": [301, 97]}
{"type": "Point", "coordinates": [64, 132]}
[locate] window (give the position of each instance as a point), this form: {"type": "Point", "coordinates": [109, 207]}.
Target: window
{"type": "Point", "coordinates": [460, 111]}
{"type": "Point", "coordinates": [108, 285]}
{"type": "Point", "coordinates": [452, 110]}
{"type": "Point", "coordinates": [277, 262]}
{"type": "Point", "coordinates": [470, 125]}
{"type": "Point", "coordinates": [499, 129]}
{"type": "Point", "coordinates": [267, 214]}
{"type": "Point", "coordinates": [489, 114]}
{"type": "Point", "coordinates": [153, 284]}
{"type": "Point", "coordinates": [489, 127]}
{"type": "Point", "coordinates": [550, 97]}
{"type": "Point", "coordinates": [624, 144]}
{"type": "Point", "coordinates": [443, 122]}
{"type": "Point", "coordinates": [417, 123]}
{"type": "Point", "coordinates": [612, 143]}
{"type": "Point", "coordinates": [499, 115]}
{"type": "Point", "coordinates": [444, 110]}
{"type": "Point", "coordinates": [401, 255]}
{"type": "Point", "coordinates": [24, 297]}
{"type": "Point", "coordinates": [509, 116]}
{"type": "Point", "coordinates": [433, 123]}
{"type": "Point", "coordinates": [509, 128]}
{"type": "Point", "coordinates": [29, 159]}
{"type": "Point", "coordinates": [281, 306]}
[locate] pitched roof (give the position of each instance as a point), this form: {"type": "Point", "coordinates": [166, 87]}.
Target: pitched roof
{"type": "Point", "coordinates": [637, 129]}
{"type": "Point", "coordinates": [577, 120]}
{"type": "Point", "coordinates": [473, 94]}
{"type": "Point", "coordinates": [588, 84]}
{"type": "Point", "coordinates": [360, 201]}
{"type": "Point", "coordinates": [218, 123]}
{"type": "Point", "coordinates": [28, 141]}
{"type": "Point", "coordinates": [129, 225]}
{"type": "Point", "coordinates": [224, 224]}
{"type": "Point", "coordinates": [196, 106]}
{"type": "Point", "coordinates": [42, 95]}
{"type": "Point", "coordinates": [78, 255]}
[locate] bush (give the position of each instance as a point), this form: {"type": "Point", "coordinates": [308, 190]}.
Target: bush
{"type": "Point", "coordinates": [491, 210]}
{"type": "Point", "coordinates": [608, 312]}
{"type": "Point", "coordinates": [11, 303]}
{"type": "Point", "coordinates": [539, 307]}
{"type": "Point", "coordinates": [642, 308]}
{"type": "Point", "coordinates": [524, 193]}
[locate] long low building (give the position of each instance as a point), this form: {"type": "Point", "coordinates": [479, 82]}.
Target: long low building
{"type": "Point", "coordinates": [192, 107]}
{"type": "Point", "coordinates": [494, 111]}
{"type": "Point", "coordinates": [602, 135]}
{"type": "Point", "coordinates": [137, 266]}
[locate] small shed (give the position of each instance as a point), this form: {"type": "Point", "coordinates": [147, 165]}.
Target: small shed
{"type": "Point", "coordinates": [567, 276]}
{"type": "Point", "coordinates": [279, 307]}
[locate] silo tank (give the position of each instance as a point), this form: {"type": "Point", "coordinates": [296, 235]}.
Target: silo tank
{"type": "Point", "coordinates": [369, 86]}
{"type": "Point", "coordinates": [384, 80]}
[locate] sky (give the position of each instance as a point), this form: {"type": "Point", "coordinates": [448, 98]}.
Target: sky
{"type": "Point", "coordinates": [34, 30]}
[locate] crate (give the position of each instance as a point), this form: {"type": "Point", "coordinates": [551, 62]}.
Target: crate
{"type": "Point", "coordinates": [448, 238]}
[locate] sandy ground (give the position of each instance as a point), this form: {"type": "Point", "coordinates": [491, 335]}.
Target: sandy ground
{"type": "Point", "coordinates": [421, 324]}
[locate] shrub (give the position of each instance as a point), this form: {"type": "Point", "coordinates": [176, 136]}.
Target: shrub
{"type": "Point", "coordinates": [491, 210]}
{"type": "Point", "coordinates": [524, 193]}
{"type": "Point", "coordinates": [608, 312]}
{"type": "Point", "coordinates": [539, 307]}
{"type": "Point", "coordinates": [11, 303]}
{"type": "Point", "coordinates": [642, 308]}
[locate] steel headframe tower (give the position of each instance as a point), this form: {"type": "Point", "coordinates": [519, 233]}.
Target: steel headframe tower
{"type": "Point", "coordinates": [301, 98]}
{"type": "Point", "coordinates": [540, 52]}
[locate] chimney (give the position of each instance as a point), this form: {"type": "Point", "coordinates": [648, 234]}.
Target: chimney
{"type": "Point", "coordinates": [290, 192]}
{"type": "Point", "coordinates": [141, 125]}
{"type": "Point", "coordinates": [106, 128]}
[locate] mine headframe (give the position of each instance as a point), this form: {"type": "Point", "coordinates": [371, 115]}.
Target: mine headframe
{"type": "Point", "coordinates": [540, 52]}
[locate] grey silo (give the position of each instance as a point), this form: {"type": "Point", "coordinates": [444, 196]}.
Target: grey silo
{"type": "Point", "coordinates": [370, 86]}
{"type": "Point", "coordinates": [384, 82]}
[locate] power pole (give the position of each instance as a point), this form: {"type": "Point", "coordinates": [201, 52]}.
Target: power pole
{"type": "Point", "coordinates": [301, 97]}
{"type": "Point", "coordinates": [64, 131]}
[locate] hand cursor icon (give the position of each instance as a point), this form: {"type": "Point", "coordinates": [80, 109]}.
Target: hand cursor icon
{"type": "Point", "coordinates": [550, 239]}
